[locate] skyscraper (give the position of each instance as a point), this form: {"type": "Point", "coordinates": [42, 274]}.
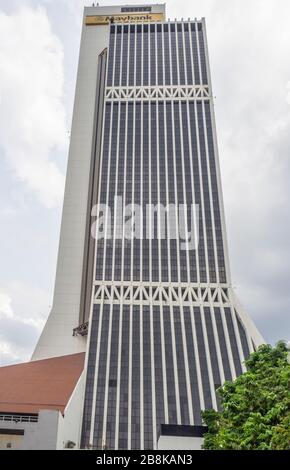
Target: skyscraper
{"type": "Point", "coordinates": [159, 321]}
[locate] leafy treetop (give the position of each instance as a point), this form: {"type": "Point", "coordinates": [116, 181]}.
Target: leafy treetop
{"type": "Point", "coordinates": [255, 408]}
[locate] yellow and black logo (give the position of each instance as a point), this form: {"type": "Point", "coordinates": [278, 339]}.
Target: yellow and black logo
{"type": "Point", "coordinates": [95, 20]}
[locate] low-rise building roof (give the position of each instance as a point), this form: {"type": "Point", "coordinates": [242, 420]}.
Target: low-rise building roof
{"type": "Point", "coordinates": [44, 384]}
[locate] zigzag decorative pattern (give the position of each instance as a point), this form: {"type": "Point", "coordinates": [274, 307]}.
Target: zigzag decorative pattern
{"type": "Point", "coordinates": [161, 294]}
{"type": "Point", "coordinates": [161, 93]}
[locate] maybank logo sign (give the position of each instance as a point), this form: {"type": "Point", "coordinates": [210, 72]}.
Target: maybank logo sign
{"type": "Point", "coordinates": [124, 18]}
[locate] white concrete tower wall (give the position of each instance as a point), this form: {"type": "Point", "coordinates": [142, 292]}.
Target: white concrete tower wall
{"type": "Point", "coordinates": [56, 338]}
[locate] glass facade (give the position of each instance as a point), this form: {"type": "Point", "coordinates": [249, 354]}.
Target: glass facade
{"type": "Point", "coordinates": [156, 360]}
{"type": "Point", "coordinates": [155, 365]}
{"type": "Point", "coordinates": [160, 152]}
{"type": "Point", "coordinates": [164, 54]}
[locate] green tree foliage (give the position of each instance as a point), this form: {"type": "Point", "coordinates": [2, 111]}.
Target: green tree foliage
{"type": "Point", "coordinates": [255, 413]}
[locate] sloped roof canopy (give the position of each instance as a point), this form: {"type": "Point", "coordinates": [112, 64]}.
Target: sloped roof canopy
{"type": "Point", "coordinates": [45, 384]}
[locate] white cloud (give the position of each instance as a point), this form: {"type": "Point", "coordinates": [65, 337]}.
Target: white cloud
{"type": "Point", "coordinates": [32, 115]}
{"type": "Point", "coordinates": [5, 305]}
{"type": "Point", "coordinates": [74, 8]}
{"type": "Point", "coordinates": [23, 311]}
{"type": "Point", "coordinates": [288, 92]}
{"type": "Point", "coordinates": [7, 355]}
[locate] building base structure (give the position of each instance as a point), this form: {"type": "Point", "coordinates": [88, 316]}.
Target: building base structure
{"type": "Point", "coordinates": [41, 404]}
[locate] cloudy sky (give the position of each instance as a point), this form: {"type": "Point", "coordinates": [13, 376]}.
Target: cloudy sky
{"type": "Point", "coordinates": [249, 43]}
